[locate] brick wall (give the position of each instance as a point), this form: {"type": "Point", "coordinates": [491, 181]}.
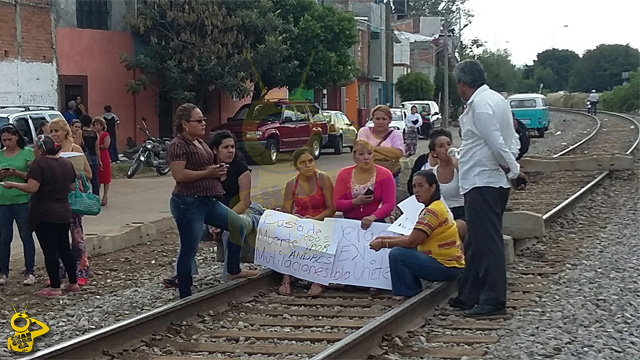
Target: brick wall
{"type": "Point", "coordinates": [27, 32]}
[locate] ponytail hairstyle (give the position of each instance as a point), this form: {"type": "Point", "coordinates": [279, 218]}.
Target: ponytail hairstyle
{"type": "Point", "coordinates": [431, 179]}
{"type": "Point", "coordinates": [46, 144]}
{"type": "Point", "coordinates": [183, 113]}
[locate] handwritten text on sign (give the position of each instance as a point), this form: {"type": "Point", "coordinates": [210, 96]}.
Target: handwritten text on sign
{"type": "Point", "coordinates": [331, 251]}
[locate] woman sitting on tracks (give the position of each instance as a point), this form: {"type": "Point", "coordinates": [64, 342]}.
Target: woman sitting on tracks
{"type": "Point", "coordinates": [237, 194]}
{"type": "Point", "coordinates": [198, 194]}
{"type": "Point", "coordinates": [308, 195]}
{"type": "Point", "coordinates": [433, 250]}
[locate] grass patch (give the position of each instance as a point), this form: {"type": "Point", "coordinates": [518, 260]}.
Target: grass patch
{"type": "Point", "coordinates": [119, 171]}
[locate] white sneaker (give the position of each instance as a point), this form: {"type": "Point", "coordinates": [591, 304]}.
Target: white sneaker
{"type": "Point", "coordinates": [3, 279]}
{"type": "Point", "coordinates": [29, 280]}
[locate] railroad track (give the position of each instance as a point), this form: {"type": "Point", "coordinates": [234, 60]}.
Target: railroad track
{"type": "Point", "coordinates": [248, 318]}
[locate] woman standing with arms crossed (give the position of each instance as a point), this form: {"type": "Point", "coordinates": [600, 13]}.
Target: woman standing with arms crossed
{"type": "Point", "coordinates": [197, 195]}
{"type": "Point", "coordinates": [387, 143]}
{"type": "Point", "coordinates": [308, 195]}
{"type": "Point", "coordinates": [50, 178]}
{"type": "Point", "coordinates": [411, 133]}
{"type": "Point", "coordinates": [15, 159]}
{"type": "Point", "coordinates": [61, 134]}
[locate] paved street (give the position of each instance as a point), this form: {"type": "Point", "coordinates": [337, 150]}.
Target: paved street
{"type": "Point", "coordinates": [146, 198]}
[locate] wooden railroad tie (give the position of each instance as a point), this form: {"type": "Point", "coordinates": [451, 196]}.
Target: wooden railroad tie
{"type": "Point", "coordinates": [311, 312]}
{"type": "Point", "coordinates": [247, 349]}
{"type": "Point", "coordinates": [463, 339]}
{"type": "Point", "coordinates": [280, 335]}
{"type": "Point", "coordinates": [577, 163]}
{"type": "Point", "coordinates": [446, 353]}
{"type": "Point", "coordinates": [350, 324]}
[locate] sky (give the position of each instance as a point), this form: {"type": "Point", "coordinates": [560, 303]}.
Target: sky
{"type": "Point", "coordinates": [526, 28]}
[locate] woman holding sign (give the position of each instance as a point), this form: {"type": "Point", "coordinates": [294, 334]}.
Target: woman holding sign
{"type": "Point", "coordinates": [433, 250]}
{"type": "Point", "coordinates": [309, 195]}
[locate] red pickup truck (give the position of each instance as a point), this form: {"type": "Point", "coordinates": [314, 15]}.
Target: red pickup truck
{"type": "Point", "coordinates": [266, 128]}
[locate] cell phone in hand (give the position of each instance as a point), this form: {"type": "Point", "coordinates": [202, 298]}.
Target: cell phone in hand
{"type": "Point", "coordinates": [5, 169]}
{"type": "Point", "coordinates": [369, 192]}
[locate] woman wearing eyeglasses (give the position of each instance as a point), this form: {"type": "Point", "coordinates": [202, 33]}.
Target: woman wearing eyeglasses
{"type": "Point", "coordinates": [197, 196]}
{"type": "Point", "coordinates": [15, 159]}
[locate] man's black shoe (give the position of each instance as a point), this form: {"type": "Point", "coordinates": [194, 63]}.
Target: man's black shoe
{"type": "Point", "coordinates": [456, 303]}
{"type": "Point", "coordinates": [485, 310]}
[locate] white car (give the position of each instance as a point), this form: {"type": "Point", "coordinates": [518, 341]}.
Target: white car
{"type": "Point", "coordinates": [397, 120]}
{"type": "Point", "coordinates": [27, 118]}
{"type": "Point", "coordinates": [432, 110]}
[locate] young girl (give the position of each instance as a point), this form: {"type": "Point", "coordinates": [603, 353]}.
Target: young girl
{"type": "Point", "coordinates": [309, 194]}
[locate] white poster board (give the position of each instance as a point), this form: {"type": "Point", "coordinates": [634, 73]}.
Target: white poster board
{"type": "Point", "coordinates": [331, 251]}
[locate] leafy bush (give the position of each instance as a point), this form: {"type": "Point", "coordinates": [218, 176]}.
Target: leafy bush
{"type": "Point", "coordinates": [415, 86]}
{"type": "Point", "coordinates": [623, 98]}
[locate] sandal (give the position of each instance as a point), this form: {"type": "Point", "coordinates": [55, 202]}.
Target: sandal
{"type": "Point", "coordinates": [316, 289]}
{"type": "Point", "coordinates": [48, 292]}
{"type": "Point", "coordinates": [72, 287]}
{"type": "Point", "coordinates": [285, 288]}
{"type": "Point", "coordinates": [244, 274]}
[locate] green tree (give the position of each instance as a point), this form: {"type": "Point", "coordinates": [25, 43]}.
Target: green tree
{"type": "Point", "coordinates": [601, 68]}
{"type": "Point", "coordinates": [191, 47]}
{"type": "Point", "coordinates": [559, 62]}
{"type": "Point", "coordinates": [545, 76]}
{"type": "Point", "coordinates": [414, 86]}
{"type": "Point", "coordinates": [501, 73]}
{"type": "Point", "coordinates": [623, 98]}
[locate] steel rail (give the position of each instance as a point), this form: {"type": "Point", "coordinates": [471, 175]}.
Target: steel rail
{"type": "Point", "coordinates": [579, 143]}
{"type": "Point", "coordinates": [91, 345]}
{"type": "Point", "coordinates": [412, 312]}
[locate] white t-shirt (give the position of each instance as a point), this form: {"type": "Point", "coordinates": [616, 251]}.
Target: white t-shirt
{"type": "Point", "coordinates": [451, 190]}
{"type": "Point", "coordinates": [413, 120]}
{"type": "Point", "coordinates": [593, 97]}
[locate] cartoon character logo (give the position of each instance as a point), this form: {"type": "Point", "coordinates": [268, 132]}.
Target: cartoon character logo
{"type": "Point", "coordinates": [22, 339]}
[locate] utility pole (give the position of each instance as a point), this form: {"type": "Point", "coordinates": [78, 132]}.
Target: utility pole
{"type": "Point", "coordinates": [388, 31]}
{"type": "Point", "coordinates": [445, 102]}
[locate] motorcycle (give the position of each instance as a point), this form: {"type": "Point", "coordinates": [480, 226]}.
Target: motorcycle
{"type": "Point", "coordinates": [152, 153]}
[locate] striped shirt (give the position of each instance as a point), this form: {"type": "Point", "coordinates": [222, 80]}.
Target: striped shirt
{"type": "Point", "coordinates": [443, 242]}
{"type": "Point", "coordinates": [196, 159]}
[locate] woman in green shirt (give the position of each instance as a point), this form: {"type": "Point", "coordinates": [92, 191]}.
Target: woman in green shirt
{"type": "Point", "coordinates": [15, 159]}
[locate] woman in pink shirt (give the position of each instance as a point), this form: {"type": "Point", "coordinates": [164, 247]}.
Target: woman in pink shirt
{"type": "Point", "coordinates": [364, 191]}
{"type": "Point", "coordinates": [388, 144]}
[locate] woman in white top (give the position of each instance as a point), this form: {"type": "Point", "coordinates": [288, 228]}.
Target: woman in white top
{"type": "Point", "coordinates": [412, 121]}
{"type": "Point", "coordinates": [446, 172]}
{"type": "Point", "coordinates": [426, 161]}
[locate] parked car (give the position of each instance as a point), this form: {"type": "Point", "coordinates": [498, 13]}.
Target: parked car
{"type": "Point", "coordinates": [27, 118]}
{"type": "Point", "coordinates": [397, 120]}
{"type": "Point", "coordinates": [342, 132]}
{"type": "Point", "coordinates": [266, 128]}
{"type": "Point", "coordinates": [432, 110]}
{"type": "Point", "coordinates": [532, 110]}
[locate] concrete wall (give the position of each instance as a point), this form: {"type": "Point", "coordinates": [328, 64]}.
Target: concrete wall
{"type": "Point", "coordinates": [27, 55]}
{"type": "Point", "coordinates": [66, 16]}
{"type": "Point", "coordinates": [430, 26]}
{"type": "Point", "coordinates": [28, 83]}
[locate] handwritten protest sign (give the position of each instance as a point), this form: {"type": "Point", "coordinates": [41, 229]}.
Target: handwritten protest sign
{"type": "Point", "coordinates": [411, 209]}
{"type": "Point", "coordinates": [294, 246]}
{"type": "Point", "coordinates": [331, 251]}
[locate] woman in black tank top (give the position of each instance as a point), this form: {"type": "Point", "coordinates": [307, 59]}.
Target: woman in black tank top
{"type": "Point", "coordinates": [90, 141]}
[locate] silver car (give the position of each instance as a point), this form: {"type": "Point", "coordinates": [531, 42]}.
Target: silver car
{"type": "Point", "coordinates": [27, 118]}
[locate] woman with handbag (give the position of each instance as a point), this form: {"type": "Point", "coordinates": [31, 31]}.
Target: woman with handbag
{"type": "Point", "coordinates": [49, 179]}
{"type": "Point", "coordinates": [61, 134]}
{"type": "Point", "coordinates": [388, 145]}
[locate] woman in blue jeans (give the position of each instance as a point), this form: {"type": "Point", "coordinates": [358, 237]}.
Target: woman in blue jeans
{"type": "Point", "coordinates": [237, 193]}
{"type": "Point", "coordinates": [433, 250]}
{"type": "Point", "coordinates": [198, 193]}
{"type": "Point", "coordinates": [15, 158]}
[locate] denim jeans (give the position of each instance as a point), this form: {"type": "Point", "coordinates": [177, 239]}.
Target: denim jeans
{"type": "Point", "coordinates": [194, 266]}
{"type": "Point", "coordinates": [20, 214]}
{"type": "Point", "coordinates": [190, 213]}
{"type": "Point", "coordinates": [408, 266]}
{"type": "Point", "coordinates": [113, 149]}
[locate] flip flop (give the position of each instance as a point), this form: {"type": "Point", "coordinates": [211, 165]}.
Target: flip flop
{"type": "Point", "coordinates": [48, 293]}
{"type": "Point", "coordinates": [287, 287]}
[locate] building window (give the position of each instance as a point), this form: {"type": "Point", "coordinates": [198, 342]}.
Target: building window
{"type": "Point", "coordinates": [92, 14]}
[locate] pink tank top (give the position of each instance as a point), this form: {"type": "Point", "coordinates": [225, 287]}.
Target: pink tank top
{"type": "Point", "coordinates": [312, 205]}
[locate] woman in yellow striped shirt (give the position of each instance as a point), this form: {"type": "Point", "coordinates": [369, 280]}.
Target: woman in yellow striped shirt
{"type": "Point", "coordinates": [433, 250]}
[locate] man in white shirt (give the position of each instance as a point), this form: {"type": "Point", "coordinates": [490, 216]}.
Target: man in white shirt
{"type": "Point", "coordinates": [593, 101]}
{"type": "Point", "coordinates": [487, 165]}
